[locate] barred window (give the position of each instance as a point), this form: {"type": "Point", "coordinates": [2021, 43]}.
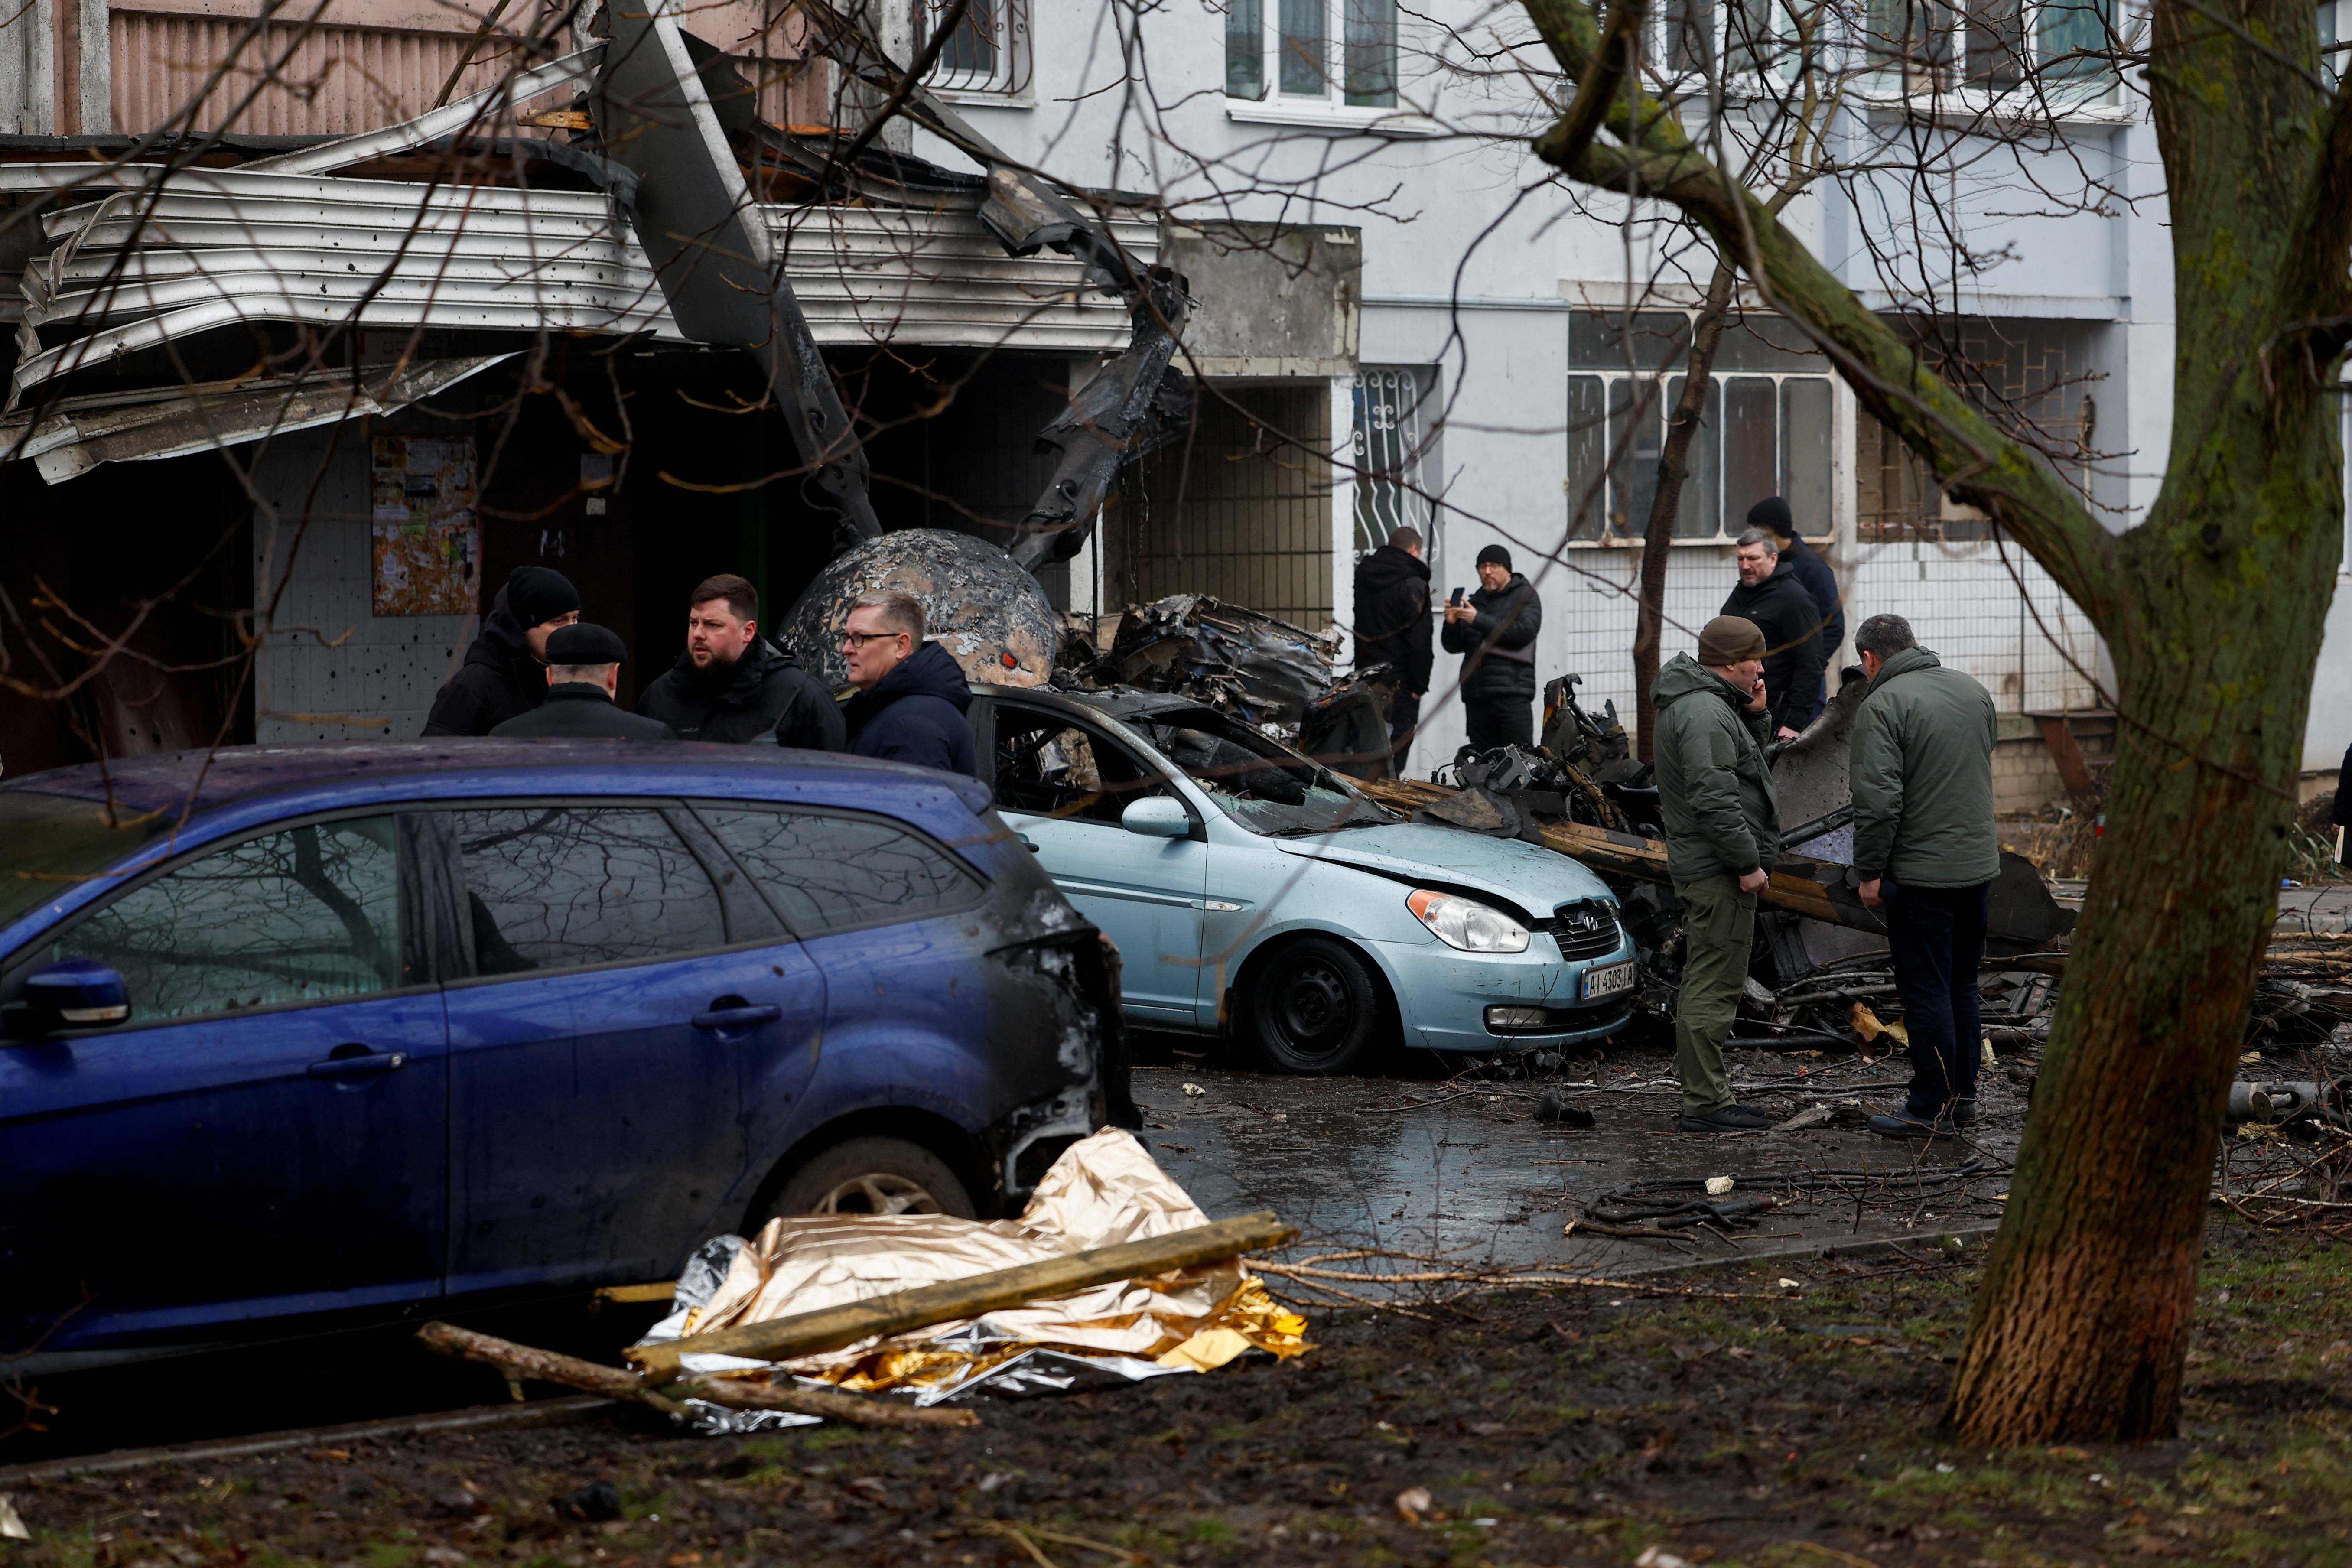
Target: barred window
{"type": "Point", "coordinates": [989, 51]}
{"type": "Point", "coordinates": [1390, 445]}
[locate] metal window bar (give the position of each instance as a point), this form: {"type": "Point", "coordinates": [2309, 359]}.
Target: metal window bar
{"type": "Point", "coordinates": [1761, 433]}
{"type": "Point", "coordinates": [1387, 454]}
{"type": "Point", "coordinates": [988, 52]}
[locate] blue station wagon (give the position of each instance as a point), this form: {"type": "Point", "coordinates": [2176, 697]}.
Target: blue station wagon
{"type": "Point", "coordinates": [304, 1036]}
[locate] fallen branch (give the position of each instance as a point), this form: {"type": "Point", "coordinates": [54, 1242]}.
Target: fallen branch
{"type": "Point", "coordinates": [878, 1317]}
{"type": "Point", "coordinates": [616, 1382]}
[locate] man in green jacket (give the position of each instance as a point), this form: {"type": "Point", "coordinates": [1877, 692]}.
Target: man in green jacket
{"type": "Point", "coordinates": [1723, 832]}
{"type": "Point", "coordinates": [1927, 851]}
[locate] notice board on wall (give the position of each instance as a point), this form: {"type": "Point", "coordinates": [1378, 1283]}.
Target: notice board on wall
{"type": "Point", "coordinates": [427, 536]}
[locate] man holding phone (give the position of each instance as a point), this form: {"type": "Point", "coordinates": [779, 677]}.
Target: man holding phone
{"type": "Point", "coordinates": [1495, 632]}
{"type": "Point", "coordinates": [1723, 832]}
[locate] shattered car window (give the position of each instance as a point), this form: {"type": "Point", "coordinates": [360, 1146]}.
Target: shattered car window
{"type": "Point", "coordinates": [553, 886]}
{"type": "Point", "coordinates": [1049, 767]}
{"type": "Point", "coordinates": [1259, 784]}
{"type": "Point", "coordinates": [825, 872]}
{"type": "Point", "coordinates": [310, 914]}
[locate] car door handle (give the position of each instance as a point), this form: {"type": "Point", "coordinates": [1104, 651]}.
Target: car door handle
{"type": "Point", "coordinates": [1027, 842]}
{"type": "Point", "coordinates": [370, 1066]}
{"type": "Point", "coordinates": [739, 1018]}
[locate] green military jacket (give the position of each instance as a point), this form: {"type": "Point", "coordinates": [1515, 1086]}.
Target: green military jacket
{"type": "Point", "coordinates": [1923, 776]}
{"type": "Point", "coordinates": [1721, 815]}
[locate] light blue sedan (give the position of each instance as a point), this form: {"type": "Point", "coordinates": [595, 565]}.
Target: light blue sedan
{"type": "Point", "coordinates": [1250, 889]}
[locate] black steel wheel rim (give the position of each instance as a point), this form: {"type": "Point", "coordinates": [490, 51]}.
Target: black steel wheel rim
{"type": "Point", "coordinates": [1313, 1009]}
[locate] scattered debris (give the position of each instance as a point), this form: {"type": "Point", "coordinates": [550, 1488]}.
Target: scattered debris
{"type": "Point", "coordinates": [1718, 1185]}
{"type": "Point", "coordinates": [12, 1524]}
{"type": "Point", "coordinates": [1413, 1502]}
{"type": "Point", "coordinates": [1240, 661]}
{"type": "Point", "coordinates": [1553, 1110]}
{"type": "Point", "coordinates": [770, 1331]}
{"type": "Point", "coordinates": [592, 1504]}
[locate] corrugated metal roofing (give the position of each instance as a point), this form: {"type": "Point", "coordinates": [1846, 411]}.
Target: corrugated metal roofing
{"type": "Point", "coordinates": [213, 247]}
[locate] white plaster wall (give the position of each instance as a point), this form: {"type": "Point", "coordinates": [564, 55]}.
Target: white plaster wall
{"type": "Point", "coordinates": [330, 669]}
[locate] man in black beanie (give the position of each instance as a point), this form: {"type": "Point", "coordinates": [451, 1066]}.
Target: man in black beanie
{"type": "Point", "coordinates": [1773, 517]}
{"type": "Point", "coordinates": [1495, 632]}
{"type": "Point", "coordinates": [583, 671]}
{"type": "Point", "coordinates": [502, 673]}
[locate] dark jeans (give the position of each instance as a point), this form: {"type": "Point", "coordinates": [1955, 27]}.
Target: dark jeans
{"type": "Point", "coordinates": [1404, 717]}
{"type": "Point", "coordinates": [1937, 937]}
{"type": "Point", "coordinates": [1500, 722]}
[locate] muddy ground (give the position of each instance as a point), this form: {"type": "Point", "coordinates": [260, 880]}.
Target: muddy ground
{"type": "Point", "coordinates": [1786, 1425]}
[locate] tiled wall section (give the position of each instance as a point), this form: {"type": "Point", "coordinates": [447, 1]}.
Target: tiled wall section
{"type": "Point", "coordinates": [331, 669]}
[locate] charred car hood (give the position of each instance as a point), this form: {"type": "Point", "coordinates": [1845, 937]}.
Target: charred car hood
{"type": "Point", "coordinates": [1536, 880]}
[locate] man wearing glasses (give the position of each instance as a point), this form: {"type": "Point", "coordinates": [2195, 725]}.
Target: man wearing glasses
{"type": "Point", "coordinates": [912, 695]}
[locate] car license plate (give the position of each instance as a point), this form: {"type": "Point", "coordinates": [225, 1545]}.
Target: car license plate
{"type": "Point", "coordinates": [1607, 982]}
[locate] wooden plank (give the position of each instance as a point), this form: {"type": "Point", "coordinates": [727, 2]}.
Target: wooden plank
{"type": "Point", "coordinates": [1643, 859]}
{"type": "Point", "coordinates": [812, 1334]}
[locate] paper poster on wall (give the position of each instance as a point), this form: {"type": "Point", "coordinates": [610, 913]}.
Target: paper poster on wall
{"type": "Point", "coordinates": [428, 542]}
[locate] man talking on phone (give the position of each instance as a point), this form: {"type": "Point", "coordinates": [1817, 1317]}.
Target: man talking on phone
{"type": "Point", "coordinates": [1723, 832]}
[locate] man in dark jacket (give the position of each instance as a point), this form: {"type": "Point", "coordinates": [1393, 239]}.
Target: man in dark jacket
{"type": "Point", "coordinates": [733, 684]}
{"type": "Point", "coordinates": [1770, 594]}
{"type": "Point", "coordinates": [1392, 626]}
{"type": "Point", "coordinates": [1925, 851]}
{"type": "Point", "coordinates": [503, 672]}
{"type": "Point", "coordinates": [584, 670]}
{"type": "Point", "coordinates": [1495, 634]}
{"type": "Point", "coordinates": [912, 695]}
{"type": "Point", "coordinates": [1723, 832]}
{"type": "Point", "coordinates": [1772, 515]}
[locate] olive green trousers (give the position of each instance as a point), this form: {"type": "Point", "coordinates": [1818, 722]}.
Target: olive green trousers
{"type": "Point", "coordinates": [1718, 926]}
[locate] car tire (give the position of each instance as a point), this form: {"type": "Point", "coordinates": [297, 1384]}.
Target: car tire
{"type": "Point", "coordinates": [1316, 1009]}
{"type": "Point", "coordinates": [870, 1175]}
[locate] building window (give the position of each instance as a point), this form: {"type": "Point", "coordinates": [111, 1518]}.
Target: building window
{"type": "Point", "coordinates": [1330, 53]}
{"type": "Point", "coordinates": [1389, 447]}
{"type": "Point", "coordinates": [1991, 45]}
{"type": "Point", "coordinates": [989, 50]}
{"type": "Point", "coordinates": [1765, 425]}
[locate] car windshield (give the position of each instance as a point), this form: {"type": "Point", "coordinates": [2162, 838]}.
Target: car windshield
{"type": "Point", "coordinates": [1257, 782]}
{"type": "Point", "coordinates": [50, 842]}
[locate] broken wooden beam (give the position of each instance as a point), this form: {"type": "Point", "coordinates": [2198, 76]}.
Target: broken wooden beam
{"type": "Point", "coordinates": [831, 1328]}
{"type": "Point", "coordinates": [618, 1382]}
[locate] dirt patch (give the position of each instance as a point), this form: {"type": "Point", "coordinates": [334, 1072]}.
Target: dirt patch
{"type": "Point", "coordinates": [1789, 1428]}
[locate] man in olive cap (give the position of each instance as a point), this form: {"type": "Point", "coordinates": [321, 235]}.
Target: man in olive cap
{"type": "Point", "coordinates": [501, 674]}
{"type": "Point", "coordinates": [1723, 832]}
{"type": "Point", "coordinates": [583, 671]}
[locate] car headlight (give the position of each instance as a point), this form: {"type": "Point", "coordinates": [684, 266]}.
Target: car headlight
{"type": "Point", "coordinates": [1466, 923]}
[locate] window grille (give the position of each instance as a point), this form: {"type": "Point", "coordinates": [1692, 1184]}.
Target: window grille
{"type": "Point", "coordinates": [989, 50]}
{"type": "Point", "coordinates": [1388, 448]}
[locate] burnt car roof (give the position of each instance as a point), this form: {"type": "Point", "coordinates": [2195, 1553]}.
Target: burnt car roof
{"type": "Point", "coordinates": [164, 781]}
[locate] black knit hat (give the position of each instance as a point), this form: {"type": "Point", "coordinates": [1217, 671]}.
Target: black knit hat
{"type": "Point", "coordinates": [537, 595]}
{"type": "Point", "coordinates": [1772, 515]}
{"type": "Point", "coordinates": [1497, 554]}
{"type": "Point", "coordinates": [581, 643]}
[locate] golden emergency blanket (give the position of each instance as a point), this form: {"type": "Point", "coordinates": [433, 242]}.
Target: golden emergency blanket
{"type": "Point", "coordinates": [1104, 1190]}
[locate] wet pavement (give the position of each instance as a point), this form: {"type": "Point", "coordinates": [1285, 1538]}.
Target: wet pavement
{"type": "Point", "coordinates": [1460, 1170]}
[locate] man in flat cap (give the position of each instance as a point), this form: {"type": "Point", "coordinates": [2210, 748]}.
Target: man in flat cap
{"type": "Point", "coordinates": [583, 671]}
{"type": "Point", "coordinates": [1495, 634]}
{"type": "Point", "coordinates": [502, 673]}
{"type": "Point", "coordinates": [1723, 832]}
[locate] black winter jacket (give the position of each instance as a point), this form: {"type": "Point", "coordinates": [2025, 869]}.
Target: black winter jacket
{"type": "Point", "coordinates": [1392, 618]}
{"type": "Point", "coordinates": [765, 695]}
{"type": "Point", "coordinates": [1822, 585]}
{"type": "Point", "coordinates": [915, 714]}
{"type": "Point", "coordinates": [1498, 649]}
{"type": "Point", "coordinates": [1793, 655]}
{"type": "Point", "coordinates": [575, 711]}
{"type": "Point", "coordinates": [498, 680]}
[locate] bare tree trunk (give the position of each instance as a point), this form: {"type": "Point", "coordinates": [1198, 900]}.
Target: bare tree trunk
{"type": "Point", "coordinates": [2213, 609]}
{"type": "Point", "coordinates": [1674, 466]}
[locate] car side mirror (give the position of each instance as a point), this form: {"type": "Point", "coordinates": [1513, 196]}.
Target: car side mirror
{"type": "Point", "coordinates": [1156, 816]}
{"type": "Point", "coordinates": [73, 993]}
